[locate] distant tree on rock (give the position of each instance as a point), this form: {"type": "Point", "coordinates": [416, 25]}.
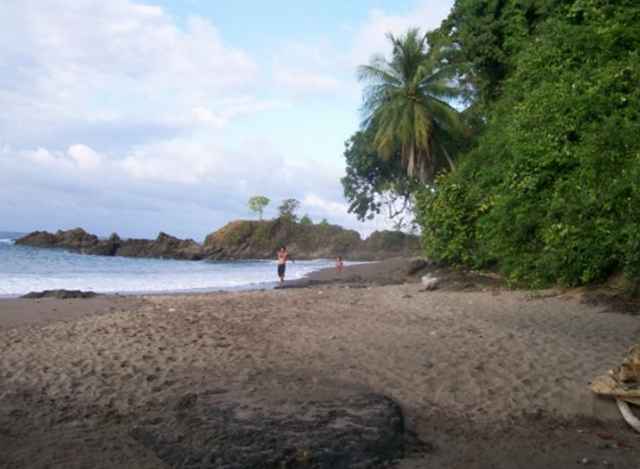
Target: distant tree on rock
{"type": "Point", "coordinates": [306, 220]}
{"type": "Point", "coordinates": [288, 208]}
{"type": "Point", "coordinates": [258, 203]}
{"type": "Point", "coordinates": [324, 222]}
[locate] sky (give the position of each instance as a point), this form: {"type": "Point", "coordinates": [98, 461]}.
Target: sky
{"type": "Point", "coordinates": [139, 117]}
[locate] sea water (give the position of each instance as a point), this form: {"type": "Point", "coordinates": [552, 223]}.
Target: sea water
{"type": "Point", "coordinates": [24, 269]}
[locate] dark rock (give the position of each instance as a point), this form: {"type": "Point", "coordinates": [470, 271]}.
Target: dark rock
{"type": "Point", "coordinates": [76, 239]}
{"type": "Point", "coordinates": [165, 245]}
{"type": "Point", "coordinates": [416, 265]}
{"type": "Point", "coordinates": [359, 431]}
{"type": "Point", "coordinates": [106, 247]}
{"type": "Point", "coordinates": [187, 401]}
{"type": "Point", "coordinates": [60, 294]}
{"type": "Point", "coordinates": [37, 239]}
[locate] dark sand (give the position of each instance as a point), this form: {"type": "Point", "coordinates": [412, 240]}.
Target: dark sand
{"type": "Point", "coordinates": [486, 377]}
{"type": "Point", "coordinates": [19, 312]}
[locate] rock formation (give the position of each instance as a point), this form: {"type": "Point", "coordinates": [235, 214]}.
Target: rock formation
{"type": "Point", "coordinates": [239, 240]}
{"type": "Point", "coordinates": [164, 246]}
{"type": "Point", "coordinates": [60, 294]}
{"type": "Point", "coordinates": [364, 431]}
{"type": "Point", "coordinates": [261, 240]}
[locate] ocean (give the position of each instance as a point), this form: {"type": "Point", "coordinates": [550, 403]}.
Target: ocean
{"type": "Point", "coordinates": [24, 269]}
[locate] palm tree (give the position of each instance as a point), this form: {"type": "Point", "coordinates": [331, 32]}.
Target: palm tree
{"type": "Point", "coordinates": [405, 102]}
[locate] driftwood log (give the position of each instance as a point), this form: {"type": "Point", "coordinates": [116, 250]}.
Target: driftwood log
{"type": "Point", "coordinates": [623, 384]}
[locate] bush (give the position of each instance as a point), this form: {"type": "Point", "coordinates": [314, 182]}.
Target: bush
{"type": "Point", "coordinates": [550, 192]}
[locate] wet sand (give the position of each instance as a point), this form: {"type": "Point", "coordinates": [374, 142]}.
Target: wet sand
{"type": "Point", "coordinates": [486, 377]}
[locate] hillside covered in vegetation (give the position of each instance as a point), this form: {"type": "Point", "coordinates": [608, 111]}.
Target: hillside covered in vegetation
{"type": "Point", "coordinates": [245, 239]}
{"type": "Point", "coordinates": [544, 182]}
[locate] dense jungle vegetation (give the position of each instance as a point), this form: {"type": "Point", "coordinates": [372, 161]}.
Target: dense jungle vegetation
{"type": "Point", "coordinates": [543, 174]}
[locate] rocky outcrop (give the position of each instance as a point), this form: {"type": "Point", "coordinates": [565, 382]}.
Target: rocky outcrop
{"type": "Point", "coordinates": [239, 240]}
{"type": "Point", "coordinates": [261, 240]}
{"type": "Point", "coordinates": [164, 246]}
{"type": "Point", "coordinates": [364, 431]}
{"type": "Point", "coordinates": [60, 294]}
{"type": "Point", "coordinates": [76, 239]}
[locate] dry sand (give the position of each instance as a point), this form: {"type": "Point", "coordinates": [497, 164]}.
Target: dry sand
{"type": "Point", "coordinates": [486, 377]}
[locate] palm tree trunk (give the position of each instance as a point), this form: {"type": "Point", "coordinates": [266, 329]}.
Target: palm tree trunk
{"type": "Point", "coordinates": [446, 155]}
{"type": "Point", "coordinates": [411, 163]}
{"type": "Point", "coordinates": [423, 175]}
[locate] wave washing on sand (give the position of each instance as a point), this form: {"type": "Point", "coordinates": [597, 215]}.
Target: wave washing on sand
{"type": "Point", "coordinates": [24, 269]}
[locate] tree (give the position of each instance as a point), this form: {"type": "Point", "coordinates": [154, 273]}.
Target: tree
{"type": "Point", "coordinates": [405, 102]}
{"type": "Point", "coordinates": [373, 185]}
{"type": "Point", "coordinates": [549, 192]}
{"type": "Point", "coordinates": [287, 209]}
{"type": "Point", "coordinates": [324, 222]}
{"type": "Point", "coordinates": [480, 39]}
{"type": "Point", "coordinates": [306, 220]}
{"type": "Point", "coordinates": [258, 203]}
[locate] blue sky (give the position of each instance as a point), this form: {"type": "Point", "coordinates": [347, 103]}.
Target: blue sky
{"type": "Point", "coordinates": [138, 117]}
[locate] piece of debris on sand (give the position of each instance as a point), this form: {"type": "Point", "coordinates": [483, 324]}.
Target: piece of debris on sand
{"type": "Point", "coordinates": [623, 383]}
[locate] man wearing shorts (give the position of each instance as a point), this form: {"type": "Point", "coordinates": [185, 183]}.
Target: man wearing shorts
{"type": "Point", "coordinates": [283, 257]}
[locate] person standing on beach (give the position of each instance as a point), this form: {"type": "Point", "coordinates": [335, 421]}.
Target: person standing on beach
{"type": "Point", "coordinates": [339, 264]}
{"type": "Point", "coordinates": [283, 257]}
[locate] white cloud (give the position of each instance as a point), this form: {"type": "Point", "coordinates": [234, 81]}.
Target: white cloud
{"type": "Point", "coordinates": [98, 62]}
{"type": "Point", "coordinates": [84, 156]}
{"type": "Point", "coordinates": [331, 208]}
{"type": "Point", "coordinates": [174, 161]}
{"type": "Point", "coordinates": [301, 81]}
{"type": "Point", "coordinates": [370, 38]}
{"type": "Point", "coordinates": [230, 109]}
{"type": "Point", "coordinates": [117, 114]}
{"type": "Point", "coordinates": [202, 115]}
{"type": "Point", "coordinates": [322, 67]}
{"type": "Point", "coordinates": [187, 188]}
{"type": "Point", "coordinates": [307, 68]}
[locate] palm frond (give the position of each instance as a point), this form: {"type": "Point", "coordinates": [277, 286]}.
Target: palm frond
{"type": "Point", "coordinates": [441, 91]}
{"type": "Point", "coordinates": [405, 101]}
{"type": "Point", "coordinates": [446, 117]}
{"type": "Point", "coordinates": [378, 75]}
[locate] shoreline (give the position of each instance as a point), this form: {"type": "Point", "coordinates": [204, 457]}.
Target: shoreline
{"type": "Point", "coordinates": [16, 311]}
{"type": "Point", "coordinates": [485, 376]}
{"type": "Point", "coordinates": [261, 280]}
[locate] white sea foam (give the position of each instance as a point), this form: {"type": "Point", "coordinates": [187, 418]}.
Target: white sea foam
{"type": "Point", "coordinates": [24, 269]}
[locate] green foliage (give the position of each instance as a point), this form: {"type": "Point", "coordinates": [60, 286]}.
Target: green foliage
{"type": "Point", "coordinates": [550, 192]}
{"type": "Point", "coordinates": [305, 220]}
{"type": "Point", "coordinates": [447, 217]}
{"type": "Point", "coordinates": [323, 222]}
{"type": "Point", "coordinates": [238, 232]}
{"type": "Point", "coordinates": [405, 105]}
{"type": "Point", "coordinates": [369, 178]}
{"type": "Point", "coordinates": [288, 208]}
{"type": "Point", "coordinates": [479, 38]}
{"type": "Point", "coordinates": [262, 234]}
{"type": "Point", "coordinates": [258, 203]}
{"type": "Point", "coordinates": [385, 241]}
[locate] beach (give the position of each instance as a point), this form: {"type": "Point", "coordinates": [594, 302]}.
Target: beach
{"type": "Point", "coordinates": [485, 376]}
